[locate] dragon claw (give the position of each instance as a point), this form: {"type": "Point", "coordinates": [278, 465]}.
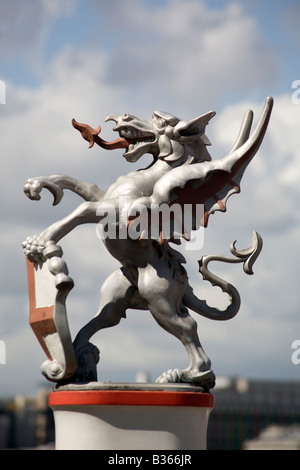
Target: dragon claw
{"type": "Point", "coordinates": [170, 376]}
{"type": "Point", "coordinates": [34, 186]}
{"type": "Point", "coordinates": [205, 379]}
{"type": "Point", "coordinates": [33, 248]}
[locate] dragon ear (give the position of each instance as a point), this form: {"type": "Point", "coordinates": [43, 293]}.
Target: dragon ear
{"type": "Point", "coordinates": [194, 127]}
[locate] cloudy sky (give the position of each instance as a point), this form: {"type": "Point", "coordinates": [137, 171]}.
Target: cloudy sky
{"type": "Point", "coordinates": [61, 59]}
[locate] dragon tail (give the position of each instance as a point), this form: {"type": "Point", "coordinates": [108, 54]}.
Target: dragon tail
{"type": "Point", "coordinates": [246, 256]}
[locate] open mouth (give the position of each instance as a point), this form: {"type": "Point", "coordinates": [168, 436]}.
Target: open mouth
{"type": "Point", "coordinates": [131, 139]}
{"type": "Point", "coordinates": [135, 138]}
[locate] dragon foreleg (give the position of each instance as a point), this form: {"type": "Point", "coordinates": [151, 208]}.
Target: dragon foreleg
{"type": "Point", "coordinates": [56, 185]}
{"type": "Point", "coordinates": [246, 256]}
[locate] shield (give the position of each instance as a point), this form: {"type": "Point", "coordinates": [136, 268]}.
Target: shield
{"type": "Point", "coordinates": [49, 286]}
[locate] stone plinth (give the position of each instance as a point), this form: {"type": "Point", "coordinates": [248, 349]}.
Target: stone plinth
{"type": "Point", "coordinates": [106, 416]}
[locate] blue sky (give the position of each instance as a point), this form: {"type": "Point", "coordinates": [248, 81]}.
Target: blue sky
{"type": "Point", "coordinates": [87, 59]}
{"type": "Point", "coordinates": [83, 25]}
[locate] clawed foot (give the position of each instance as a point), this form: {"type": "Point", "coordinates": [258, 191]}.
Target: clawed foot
{"type": "Point", "coordinates": [205, 379]}
{"type": "Point", "coordinates": [170, 376]}
{"type": "Point", "coordinates": [33, 248]}
{"type": "Point", "coordinates": [34, 186]}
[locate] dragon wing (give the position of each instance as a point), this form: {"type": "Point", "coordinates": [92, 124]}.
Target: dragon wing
{"type": "Point", "coordinates": [210, 184]}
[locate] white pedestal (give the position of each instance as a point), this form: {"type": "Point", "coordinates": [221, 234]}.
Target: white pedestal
{"type": "Point", "coordinates": [106, 416]}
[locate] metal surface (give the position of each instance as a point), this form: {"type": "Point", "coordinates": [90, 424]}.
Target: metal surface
{"type": "Point", "coordinates": [152, 277]}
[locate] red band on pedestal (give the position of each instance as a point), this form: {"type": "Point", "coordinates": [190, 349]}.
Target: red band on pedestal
{"type": "Point", "coordinates": [131, 398]}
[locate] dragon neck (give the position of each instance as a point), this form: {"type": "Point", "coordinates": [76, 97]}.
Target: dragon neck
{"type": "Point", "coordinates": [176, 153]}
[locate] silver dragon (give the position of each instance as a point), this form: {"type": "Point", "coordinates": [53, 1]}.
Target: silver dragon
{"type": "Point", "coordinates": [152, 276]}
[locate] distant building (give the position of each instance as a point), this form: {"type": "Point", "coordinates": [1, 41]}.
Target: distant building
{"type": "Point", "coordinates": [26, 422]}
{"type": "Point", "coordinates": [244, 408]}
{"type": "Point", "coordinates": [248, 414]}
{"type": "Point", "coordinates": [276, 437]}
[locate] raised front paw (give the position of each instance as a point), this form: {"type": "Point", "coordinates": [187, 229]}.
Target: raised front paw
{"type": "Point", "coordinates": [33, 248]}
{"type": "Point", "coordinates": [33, 187]}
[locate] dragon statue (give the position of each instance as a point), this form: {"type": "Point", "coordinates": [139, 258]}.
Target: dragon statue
{"type": "Point", "coordinates": [152, 276]}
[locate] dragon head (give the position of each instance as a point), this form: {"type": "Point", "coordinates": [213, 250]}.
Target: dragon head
{"type": "Point", "coordinates": [139, 134]}
{"type": "Point", "coordinates": [164, 136]}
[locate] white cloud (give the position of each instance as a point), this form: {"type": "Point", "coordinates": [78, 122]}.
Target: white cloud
{"type": "Point", "coordinates": [24, 26]}
{"type": "Point", "coordinates": [188, 54]}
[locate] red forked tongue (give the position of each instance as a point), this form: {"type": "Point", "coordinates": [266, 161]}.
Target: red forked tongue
{"type": "Point", "coordinates": [91, 135]}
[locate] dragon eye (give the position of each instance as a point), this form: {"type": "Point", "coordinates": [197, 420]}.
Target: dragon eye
{"type": "Point", "coordinates": [161, 123]}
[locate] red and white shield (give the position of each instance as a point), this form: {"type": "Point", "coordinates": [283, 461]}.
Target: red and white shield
{"type": "Point", "coordinates": [49, 285]}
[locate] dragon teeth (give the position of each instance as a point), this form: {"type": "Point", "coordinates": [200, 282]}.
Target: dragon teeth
{"type": "Point", "coordinates": [129, 133]}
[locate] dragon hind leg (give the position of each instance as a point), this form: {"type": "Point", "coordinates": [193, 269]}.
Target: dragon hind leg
{"type": "Point", "coordinates": [184, 327]}
{"type": "Point", "coordinates": [164, 298]}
